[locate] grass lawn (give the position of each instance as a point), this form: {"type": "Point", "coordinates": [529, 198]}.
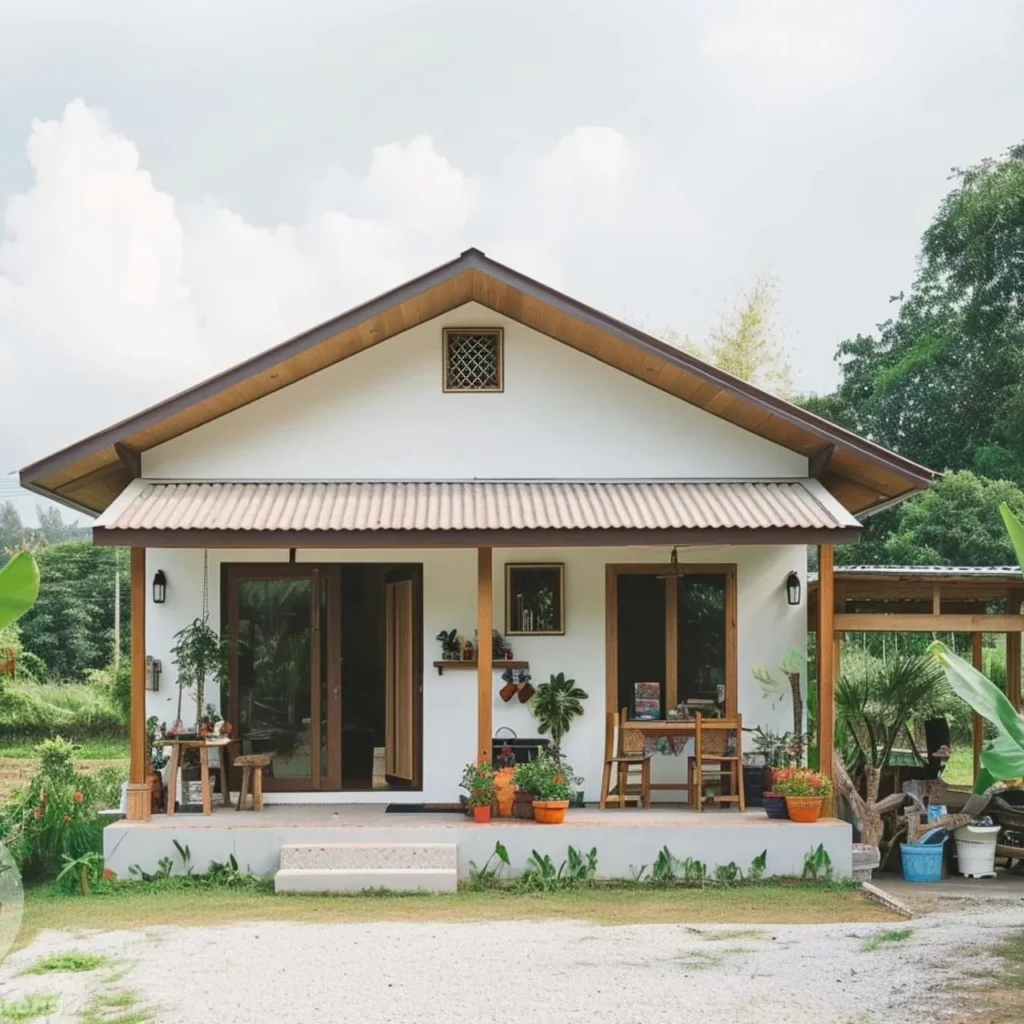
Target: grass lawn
{"type": "Point", "coordinates": [960, 767]}
{"type": "Point", "coordinates": [18, 763]}
{"type": "Point", "coordinates": [139, 905]}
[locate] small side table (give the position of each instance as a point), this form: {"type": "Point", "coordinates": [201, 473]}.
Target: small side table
{"type": "Point", "coordinates": [203, 746]}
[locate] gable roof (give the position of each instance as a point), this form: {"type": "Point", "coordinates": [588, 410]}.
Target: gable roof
{"type": "Point", "coordinates": [862, 475]}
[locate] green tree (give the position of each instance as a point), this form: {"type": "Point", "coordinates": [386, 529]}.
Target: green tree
{"type": "Point", "coordinates": [943, 381]}
{"type": "Point", "coordinates": [955, 522]}
{"type": "Point", "coordinates": [71, 627]}
{"type": "Point", "coordinates": [53, 528]}
{"type": "Point", "coordinates": [746, 343]}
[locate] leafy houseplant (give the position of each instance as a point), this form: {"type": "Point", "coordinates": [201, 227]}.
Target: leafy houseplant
{"type": "Point", "coordinates": [449, 641]}
{"type": "Point", "coordinates": [804, 790]}
{"type": "Point", "coordinates": [549, 782]}
{"type": "Point", "coordinates": [478, 782]}
{"type": "Point", "coordinates": [555, 704]}
{"type": "Point", "coordinates": [199, 656]}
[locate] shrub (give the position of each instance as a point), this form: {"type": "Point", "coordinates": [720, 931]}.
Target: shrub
{"type": "Point", "coordinates": [43, 710]}
{"type": "Point", "coordinates": [478, 782]}
{"type": "Point", "coordinates": [545, 778]}
{"type": "Point", "coordinates": [800, 782]}
{"type": "Point", "coordinates": [55, 820]}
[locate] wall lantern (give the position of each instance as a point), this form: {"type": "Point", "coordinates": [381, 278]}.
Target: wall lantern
{"type": "Point", "coordinates": [793, 588]}
{"type": "Point", "coordinates": [159, 587]}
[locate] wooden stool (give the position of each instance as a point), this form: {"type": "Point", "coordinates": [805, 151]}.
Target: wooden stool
{"type": "Point", "coordinates": [252, 766]}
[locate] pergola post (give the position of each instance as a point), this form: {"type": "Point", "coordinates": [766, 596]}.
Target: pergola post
{"type": "Point", "coordinates": [827, 642]}
{"type": "Point", "coordinates": [1013, 654]}
{"type": "Point", "coordinates": [977, 724]}
{"type": "Point", "coordinates": [484, 653]}
{"type": "Point", "coordinates": [139, 795]}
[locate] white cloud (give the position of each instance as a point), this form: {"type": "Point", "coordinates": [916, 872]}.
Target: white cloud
{"type": "Point", "coordinates": [791, 45]}
{"type": "Point", "coordinates": [586, 169]}
{"type": "Point", "coordinates": [113, 295]}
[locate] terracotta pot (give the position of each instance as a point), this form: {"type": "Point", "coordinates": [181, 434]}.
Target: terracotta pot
{"type": "Point", "coordinates": [482, 814]}
{"type": "Point", "coordinates": [508, 691]}
{"type": "Point", "coordinates": [806, 809]}
{"type": "Point", "coordinates": [505, 791]}
{"type": "Point", "coordinates": [522, 806]}
{"type": "Point", "coordinates": [156, 789]}
{"type": "Point", "coordinates": [550, 812]}
{"type": "Point", "coordinates": [526, 691]}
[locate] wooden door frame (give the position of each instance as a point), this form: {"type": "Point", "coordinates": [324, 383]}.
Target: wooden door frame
{"type": "Point", "coordinates": [611, 628]}
{"type": "Point", "coordinates": [415, 570]}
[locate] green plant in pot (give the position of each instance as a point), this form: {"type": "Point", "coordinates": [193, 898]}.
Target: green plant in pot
{"type": "Point", "coordinates": [555, 705]}
{"type": "Point", "coordinates": [199, 656]}
{"type": "Point", "coordinates": [478, 782]}
{"type": "Point", "coordinates": [550, 782]}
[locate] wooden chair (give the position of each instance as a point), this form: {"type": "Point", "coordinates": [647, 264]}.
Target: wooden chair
{"type": "Point", "coordinates": [713, 760]}
{"type": "Point", "coordinates": [624, 752]}
{"type": "Point", "coordinates": [252, 766]}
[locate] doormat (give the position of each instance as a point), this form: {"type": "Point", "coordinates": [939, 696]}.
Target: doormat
{"type": "Point", "coordinates": [423, 809]}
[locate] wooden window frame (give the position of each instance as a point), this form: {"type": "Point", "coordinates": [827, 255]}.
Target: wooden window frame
{"type": "Point", "coordinates": [612, 574]}
{"type": "Point", "coordinates": [509, 566]}
{"type": "Point", "coordinates": [446, 333]}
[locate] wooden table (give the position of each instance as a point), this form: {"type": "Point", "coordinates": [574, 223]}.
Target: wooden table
{"type": "Point", "coordinates": [653, 728]}
{"type": "Point", "coordinates": [177, 745]}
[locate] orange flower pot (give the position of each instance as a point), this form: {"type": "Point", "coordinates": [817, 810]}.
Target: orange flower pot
{"type": "Point", "coordinates": [505, 791]}
{"type": "Point", "coordinates": [550, 812]}
{"type": "Point", "coordinates": [482, 814]}
{"type": "Point", "coordinates": [806, 809]}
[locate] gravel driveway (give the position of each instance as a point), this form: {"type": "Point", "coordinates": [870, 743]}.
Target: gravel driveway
{"type": "Point", "coordinates": [521, 972]}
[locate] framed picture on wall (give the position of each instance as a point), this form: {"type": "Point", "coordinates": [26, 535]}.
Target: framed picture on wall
{"type": "Point", "coordinates": [535, 599]}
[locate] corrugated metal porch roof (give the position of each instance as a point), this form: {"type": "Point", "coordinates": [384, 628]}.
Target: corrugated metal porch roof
{"type": "Point", "coordinates": [475, 505]}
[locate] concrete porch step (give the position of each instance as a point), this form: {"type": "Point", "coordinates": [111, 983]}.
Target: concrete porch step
{"type": "Point", "coordinates": [358, 879]}
{"type": "Point", "coordinates": [369, 856]}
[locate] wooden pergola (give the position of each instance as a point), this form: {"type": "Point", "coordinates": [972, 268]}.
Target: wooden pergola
{"type": "Point", "coordinates": [912, 599]}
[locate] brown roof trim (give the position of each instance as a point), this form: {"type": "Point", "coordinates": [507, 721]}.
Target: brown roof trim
{"type": "Point", "coordinates": [829, 432]}
{"type": "Point", "coordinates": [243, 371]}
{"type": "Point", "coordinates": [462, 538]}
{"type": "Point", "coordinates": [474, 259]}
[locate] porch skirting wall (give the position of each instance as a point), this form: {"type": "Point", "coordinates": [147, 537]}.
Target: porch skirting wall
{"type": "Point", "coordinates": [625, 840]}
{"type": "Point", "coordinates": [767, 629]}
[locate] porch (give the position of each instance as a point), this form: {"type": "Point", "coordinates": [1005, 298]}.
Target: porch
{"type": "Point", "coordinates": [625, 839]}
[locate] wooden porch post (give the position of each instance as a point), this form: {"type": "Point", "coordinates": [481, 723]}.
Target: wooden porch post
{"type": "Point", "coordinates": [827, 642]}
{"type": "Point", "coordinates": [485, 653]}
{"type": "Point", "coordinates": [978, 725]}
{"type": "Point", "coordinates": [1013, 654]}
{"type": "Point", "coordinates": [139, 797]}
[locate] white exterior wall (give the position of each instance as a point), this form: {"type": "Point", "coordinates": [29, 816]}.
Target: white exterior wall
{"type": "Point", "coordinates": [767, 627]}
{"type": "Point", "coordinates": [382, 414]}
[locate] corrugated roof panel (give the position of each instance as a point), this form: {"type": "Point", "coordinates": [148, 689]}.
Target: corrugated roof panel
{"type": "Point", "coordinates": [475, 505]}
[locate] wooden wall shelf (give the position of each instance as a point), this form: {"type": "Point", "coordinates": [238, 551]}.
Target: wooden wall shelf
{"type": "Point", "coordinates": [498, 663]}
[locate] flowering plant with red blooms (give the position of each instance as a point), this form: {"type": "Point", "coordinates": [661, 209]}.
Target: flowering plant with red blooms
{"type": "Point", "coordinates": [54, 819]}
{"type": "Point", "coordinates": [800, 782]}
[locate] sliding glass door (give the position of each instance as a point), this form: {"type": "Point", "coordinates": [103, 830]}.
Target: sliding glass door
{"type": "Point", "coordinates": [278, 702]}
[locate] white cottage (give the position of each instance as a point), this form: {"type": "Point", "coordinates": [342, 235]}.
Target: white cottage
{"type": "Point", "coordinates": [471, 451]}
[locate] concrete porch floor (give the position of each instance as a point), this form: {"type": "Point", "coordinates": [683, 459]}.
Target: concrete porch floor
{"type": "Point", "coordinates": [625, 839]}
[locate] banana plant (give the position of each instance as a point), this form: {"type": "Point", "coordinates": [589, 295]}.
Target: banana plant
{"type": "Point", "coordinates": [1002, 758]}
{"type": "Point", "coordinates": [19, 587]}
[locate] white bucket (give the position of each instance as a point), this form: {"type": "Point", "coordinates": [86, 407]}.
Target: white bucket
{"type": "Point", "coordinates": [976, 850]}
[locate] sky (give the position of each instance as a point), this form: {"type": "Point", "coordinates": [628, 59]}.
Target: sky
{"type": "Point", "coordinates": [183, 185]}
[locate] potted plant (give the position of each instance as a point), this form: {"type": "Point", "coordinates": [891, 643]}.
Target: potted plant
{"type": "Point", "coordinates": [555, 704]}
{"type": "Point", "coordinates": [478, 782]}
{"type": "Point", "coordinates": [449, 641]}
{"type": "Point", "coordinates": [805, 791]}
{"type": "Point", "coordinates": [549, 782]}
{"type": "Point", "coordinates": [199, 655]}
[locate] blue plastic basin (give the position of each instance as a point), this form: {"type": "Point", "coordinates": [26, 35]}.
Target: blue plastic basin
{"type": "Point", "coordinates": [922, 862]}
